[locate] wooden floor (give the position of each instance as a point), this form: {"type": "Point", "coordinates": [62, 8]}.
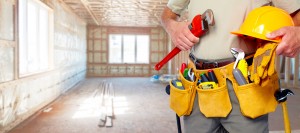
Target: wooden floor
{"type": "Point", "coordinates": [139, 106]}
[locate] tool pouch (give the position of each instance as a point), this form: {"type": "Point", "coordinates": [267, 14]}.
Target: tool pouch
{"type": "Point", "coordinates": [182, 101]}
{"type": "Point", "coordinates": [213, 102]}
{"type": "Point", "coordinates": [257, 100]}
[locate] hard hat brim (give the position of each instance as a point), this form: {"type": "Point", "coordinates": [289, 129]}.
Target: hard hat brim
{"type": "Point", "coordinates": [258, 36]}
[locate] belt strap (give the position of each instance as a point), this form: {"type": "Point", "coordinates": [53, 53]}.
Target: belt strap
{"type": "Point", "coordinates": [206, 64]}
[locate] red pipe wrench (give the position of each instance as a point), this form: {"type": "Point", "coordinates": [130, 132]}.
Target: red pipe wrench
{"type": "Point", "coordinates": [198, 27]}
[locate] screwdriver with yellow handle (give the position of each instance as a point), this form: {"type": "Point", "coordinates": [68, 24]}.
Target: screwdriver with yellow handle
{"type": "Point", "coordinates": [240, 62]}
{"type": "Point", "coordinates": [243, 67]}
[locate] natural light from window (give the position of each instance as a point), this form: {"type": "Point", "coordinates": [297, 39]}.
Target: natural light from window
{"type": "Point", "coordinates": [131, 49]}
{"type": "Point", "coordinates": [92, 108]}
{"type": "Point", "coordinates": [34, 37]}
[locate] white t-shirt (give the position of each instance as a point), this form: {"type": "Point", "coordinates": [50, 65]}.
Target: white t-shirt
{"type": "Point", "coordinates": [228, 15]}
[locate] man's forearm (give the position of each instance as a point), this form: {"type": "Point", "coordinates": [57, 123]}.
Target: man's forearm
{"type": "Point", "coordinates": [296, 18]}
{"type": "Point", "coordinates": [167, 18]}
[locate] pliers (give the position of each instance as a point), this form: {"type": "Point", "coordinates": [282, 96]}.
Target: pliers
{"type": "Point", "coordinates": [191, 75]}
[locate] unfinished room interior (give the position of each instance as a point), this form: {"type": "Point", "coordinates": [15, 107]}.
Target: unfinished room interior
{"type": "Point", "coordinates": [89, 66]}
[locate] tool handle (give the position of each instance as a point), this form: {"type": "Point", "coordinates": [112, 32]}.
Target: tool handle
{"type": "Point", "coordinates": [212, 76]}
{"type": "Point", "coordinates": [204, 78]}
{"type": "Point", "coordinates": [195, 28]}
{"type": "Point", "coordinates": [239, 76]}
{"type": "Point", "coordinates": [178, 124]}
{"type": "Point", "coordinates": [183, 66]}
{"type": "Point", "coordinates": [174, 52]}
{"type": "Point", "coordinates": [287, 126]}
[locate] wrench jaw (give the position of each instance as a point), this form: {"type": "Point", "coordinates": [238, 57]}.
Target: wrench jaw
{"type": "Point", "coordinates": [208, 16]}
{"type": "Point", "coordinates": [207, 19]}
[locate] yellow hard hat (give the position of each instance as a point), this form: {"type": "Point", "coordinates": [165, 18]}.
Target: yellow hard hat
{"type": "Point", "coordinates": [264, 20]}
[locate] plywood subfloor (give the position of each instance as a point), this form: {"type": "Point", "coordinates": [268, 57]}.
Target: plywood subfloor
{"type": "Point", "coordinates": [140, 106]}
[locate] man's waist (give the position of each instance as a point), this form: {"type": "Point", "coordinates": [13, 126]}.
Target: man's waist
{"type": "Point", "coordinates": [209, 64]}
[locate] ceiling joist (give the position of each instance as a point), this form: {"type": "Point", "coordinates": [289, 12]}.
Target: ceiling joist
{"type": "Point", "coordinates": [86, 5]}
{"type": "Point", "coordinates": [142, 13]}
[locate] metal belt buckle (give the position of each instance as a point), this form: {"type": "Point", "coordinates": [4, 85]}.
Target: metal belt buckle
{"type": "Point", "coordinates": [208, 65]}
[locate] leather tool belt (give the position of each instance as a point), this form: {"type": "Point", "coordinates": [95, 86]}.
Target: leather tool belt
{"type": "Point", "coordinates": [255, 100]}
{"type": "Point", "coordinates": [206, 64]}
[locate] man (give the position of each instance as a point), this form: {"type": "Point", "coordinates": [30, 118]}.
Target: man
{"type": "Point", "coordinates": [215, 46]}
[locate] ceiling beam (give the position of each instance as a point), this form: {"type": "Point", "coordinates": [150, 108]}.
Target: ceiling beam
{"type": "Point", "coordinates": [86, 5]}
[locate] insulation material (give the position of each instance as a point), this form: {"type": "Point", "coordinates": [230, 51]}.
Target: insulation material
{"type": "Point", "coordinates": [97, 58]}
{"type": "Point", "coordinates": [8, 101]}
{"type": "Point", "coordinates": [146, 69]}
{"type": "Point", "coordinates": [100, 70]}
{"type": "Point", "coordinates": [122, 70]}
{"type": "Point", "coordinates": [97, 45]}
{"type": "Point", "coordinates": [145, 13]}
{"type": "Point", "coordinates": [90, 45]}
{"type": "Point", "coordinates": [104, 58]}
{"type": "Point", "coordinates": [30, 94]}
{"type": "Point", "coordinates": [6, 64]}
{"type": "Point", "coordinates": [98, 51]}
{"type": "Point", "coordinates": [68, 58]}
{"type": "Point", "coordinates": [154, 45]}
{"type": "Point", "coordinates": [114, 70]}
{"type": "Point", "coordinates": [154, 37]}
{"type": "Point", "coordinates": [130, 70]}
{"type": "Point", "coordinates": [23, 97]}
{"type": "Point", "coordinates": [6, 20]}
{"type": "Point", "coordinates": [138, 70]}
{"type": "Point", "coordinates": [90, 69]}
{"type": "Point", "coordinates": [90, 57]}
{"type": "Point", "coordinates": [156, 57]}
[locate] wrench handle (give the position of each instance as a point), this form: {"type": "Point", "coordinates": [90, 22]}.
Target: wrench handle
{"type": "Point", "coordinates": [174, 52]}
{"type": "Point", "coordinates": [287, 126]}
{"type": "Point", "coordinates": [196, 29]}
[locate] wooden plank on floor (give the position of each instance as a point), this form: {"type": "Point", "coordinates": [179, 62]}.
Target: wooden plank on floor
{"type": "Point", "coordinates": [108, 122]}
{"type": "Point", "coordinates": [106, 105]}
{"type": "Point", "coordinates": [109, 103]}
{"type": "Point", "coordinates": [100, 101]}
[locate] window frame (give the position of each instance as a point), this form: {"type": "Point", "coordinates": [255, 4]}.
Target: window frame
{"type": "Point", "coordinates": [23, 29]}
{"type": "Point", "coordinates": [122, 48]}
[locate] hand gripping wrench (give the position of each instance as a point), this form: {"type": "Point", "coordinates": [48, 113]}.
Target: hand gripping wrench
{"type": "Point", "coordinates": [198, 27]}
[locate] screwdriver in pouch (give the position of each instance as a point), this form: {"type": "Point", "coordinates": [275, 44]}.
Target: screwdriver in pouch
{"type": "Point", "coordinates": [183, 66]}
{"type": "Point", "coordinates": [204, 78]}
{"type": "Point", "coordinates": [243, 66]}
{"type": "Point", "coordinates": [206, 83]}
{"type": "Point", "coordinates": [212, 76]}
